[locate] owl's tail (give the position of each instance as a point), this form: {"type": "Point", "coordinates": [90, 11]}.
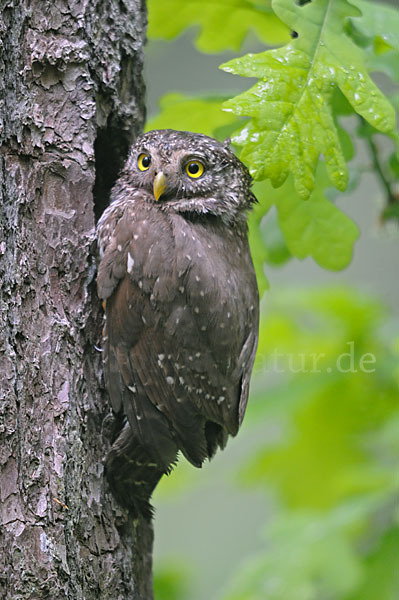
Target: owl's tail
{"type": "Point", "coordinates": [132, 474]}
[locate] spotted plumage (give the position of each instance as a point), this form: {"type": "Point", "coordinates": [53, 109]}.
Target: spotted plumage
{"type": "Point", "coordinates": [181, 307]}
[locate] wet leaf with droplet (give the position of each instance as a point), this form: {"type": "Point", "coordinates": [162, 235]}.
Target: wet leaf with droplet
{"type": "Point", "coordinates": [291, 122]}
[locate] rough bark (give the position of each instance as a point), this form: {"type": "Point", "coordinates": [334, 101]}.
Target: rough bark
{"type": "Point", "coordinates": [71, 100]}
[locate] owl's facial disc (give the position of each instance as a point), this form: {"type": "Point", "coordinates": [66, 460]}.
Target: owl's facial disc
{"type": "Point", "coordinates": [188, 173]}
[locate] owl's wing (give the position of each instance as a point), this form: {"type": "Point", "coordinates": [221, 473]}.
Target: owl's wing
{"type": "Point", "coordinates": [142, 372]}
{"type": "Point", "coordinates": [222, 296]}
{"type": "Point", "coordinates": [114, 234]}
{"type": "Point", "coordinates": [245, 364]}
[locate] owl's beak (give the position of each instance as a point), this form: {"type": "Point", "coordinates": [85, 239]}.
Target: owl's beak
{"type": "Point", "coordinates": [159, 185]}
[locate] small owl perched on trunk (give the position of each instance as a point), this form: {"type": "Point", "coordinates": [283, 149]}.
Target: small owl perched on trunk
{"type": "Point", "coordinates": [181, 307]}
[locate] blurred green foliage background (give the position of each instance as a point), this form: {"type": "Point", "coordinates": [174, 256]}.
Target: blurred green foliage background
{"type": "Point", "coordinates": [303, 505]}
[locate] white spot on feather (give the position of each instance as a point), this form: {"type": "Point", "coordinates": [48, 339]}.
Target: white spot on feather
{"type": "Point", "coordinates": [132, 388]}
{"type": "Point", "coordinates": [170, 380]}
{"type": "Point", "coordinates": [130, 263]}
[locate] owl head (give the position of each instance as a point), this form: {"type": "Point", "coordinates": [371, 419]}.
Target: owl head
{"type": "Point", "coordinates": [189, 173]}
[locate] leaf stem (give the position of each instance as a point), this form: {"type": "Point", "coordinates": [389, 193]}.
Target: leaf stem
{"type": "Point", "coordinates": [392, 200]}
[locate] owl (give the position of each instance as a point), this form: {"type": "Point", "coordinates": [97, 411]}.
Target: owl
{"type": "Point", "coordinates": [181, 307]}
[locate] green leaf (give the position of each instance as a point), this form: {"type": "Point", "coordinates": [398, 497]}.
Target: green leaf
{"type": "Point", "coordinates": [377, 30]}
{"type": "Point", "coordinates": [224, 23]}
{"type": "Point", "coordinates": [324, 462]}
{"type": "Point", "coordinates": [382, 570]}
{"type": "Point", "coordinates": [337, 415]}
{"type": "Point", "coordinates": [378, 23]}
{"type": "Point", "coordinates": [330, 445]}
{"type": "Point", "coordinates": [387, 63]}
{"type": "Point", "coordinates": [200, 115]}
{"type": "Point", "coordinates": [315, 227]}
{"type": "Point", "coordinates": [292, 122]}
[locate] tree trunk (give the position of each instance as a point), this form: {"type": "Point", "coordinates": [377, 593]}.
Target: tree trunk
{"type": "Point", "coordinates": [71, 101]}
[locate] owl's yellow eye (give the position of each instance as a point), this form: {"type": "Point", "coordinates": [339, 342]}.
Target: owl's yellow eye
{"type": "Point", "coordinates": [144, 161]}
{"type": "Point", "coordinates": [194, 169]}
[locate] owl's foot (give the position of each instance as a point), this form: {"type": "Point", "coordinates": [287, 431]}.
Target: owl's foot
{"type": "Point", "coordinates": [132, 474]}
